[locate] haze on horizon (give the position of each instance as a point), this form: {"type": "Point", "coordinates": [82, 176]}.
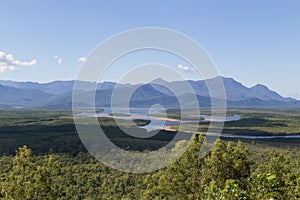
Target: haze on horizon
{"type": "Point", "coordinates": [252, 42]}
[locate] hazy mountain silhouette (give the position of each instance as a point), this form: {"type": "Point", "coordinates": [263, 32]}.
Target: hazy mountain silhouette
{"type": "Point", "coordinates": [58, 94]}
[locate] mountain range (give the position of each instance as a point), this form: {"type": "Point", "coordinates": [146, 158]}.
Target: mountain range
{"type": "Point", "coordinates": [58, 94]}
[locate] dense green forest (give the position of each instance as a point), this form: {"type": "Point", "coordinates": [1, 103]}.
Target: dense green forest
{"type": "Point", "coordinates": [55, 165]}
{"type": "Point", "coordinates": [230, 171]}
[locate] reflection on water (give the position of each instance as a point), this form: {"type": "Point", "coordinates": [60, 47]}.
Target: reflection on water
{"type": "Point", "coordinates": [162, 123]}
{"type": "Point", "coordinates": [220, 118]}
{"type": "Point", "coordinates": [156, 122]}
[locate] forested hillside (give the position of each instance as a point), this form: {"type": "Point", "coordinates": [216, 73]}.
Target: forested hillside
{"type": "Point", "coordinates": [56, 165]}
{"type": "Point", "coordinates": [231, 171]}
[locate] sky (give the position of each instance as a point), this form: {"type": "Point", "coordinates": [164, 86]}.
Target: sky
{"type": "Point", "coordinates": [253, 42]}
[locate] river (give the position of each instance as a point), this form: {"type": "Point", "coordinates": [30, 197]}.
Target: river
{"type": "Point", "coordinates": [163, 123]}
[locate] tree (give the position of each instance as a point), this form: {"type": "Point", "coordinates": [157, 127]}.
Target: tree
{"type": "Point", "coordinates": [275, 179]}
{"type": "Point", "coordinates": [227, 161]}
{"type": "Point", "coordinates": [29, 180]}
{"type": "Point", "coordinates": [180, 180]}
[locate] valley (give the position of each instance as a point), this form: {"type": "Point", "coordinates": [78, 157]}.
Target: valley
{"type": "Point", "coordinates": [46, 130]}
{"type": "Point", "coordinates": [56, 164]}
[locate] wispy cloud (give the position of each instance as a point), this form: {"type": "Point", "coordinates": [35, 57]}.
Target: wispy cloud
{"type": "Point", "coordinates": [186, 68]}
{"type": "Point", "coordinates": [9, 63]}
{"type": "Point", "coordinates": [82, 59]}
{"type": "Point", "coordinates": [58, 59]}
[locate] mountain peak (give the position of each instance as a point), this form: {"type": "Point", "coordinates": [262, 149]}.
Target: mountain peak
{"type": "Point", "coordinates": [158, 90]}
{"type": "Point", "coordinates": [159, 81]}
{"type": "Point", "coordinates": [260, 86]}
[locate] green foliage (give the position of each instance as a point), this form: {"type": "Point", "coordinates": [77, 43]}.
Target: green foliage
{"type": "Point", "coordinates": [275, 179]}
{"type": "Point", "coordinates": [256, 122]}
{"type": "Point", "coordinates": [229, 172]}
{"type": "Point", "coordinates": [227, 162]}
{"type": "Point", "coordinates": [58, 167]}
{"type": "Point", "coordinates": [180, 180]}
{"type": "Point", "coordinates": [231, 191]}
{"type": "Point", "coordinates": [29, 180]}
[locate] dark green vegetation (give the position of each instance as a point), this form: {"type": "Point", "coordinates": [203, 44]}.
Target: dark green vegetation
{"type": "Point", "coordinates": [54, 131]}
{"type": "Point", "coordinates": [119, 114]}
{"type": "Point", "coordinates": [141, 122]}
{"type": "Point", "coordinates": [258, 122]}
{"type": "Point", "coordinates": [176, 114]}
{"type": "Point", "coordinates": [266, 122]}
{"type": "Point", "coordinates": [57, 165]}
{"type": "Point", "coordinates": [42, 130]}
{"type": "Point", "coordinates": [229, 172]}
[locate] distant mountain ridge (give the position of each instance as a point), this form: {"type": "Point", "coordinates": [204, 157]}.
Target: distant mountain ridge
{"type": "Point", "coordinates": [58, 94]}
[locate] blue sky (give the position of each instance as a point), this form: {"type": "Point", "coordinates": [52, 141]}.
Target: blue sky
{"type": "Point", "coordinates": [251, 41]}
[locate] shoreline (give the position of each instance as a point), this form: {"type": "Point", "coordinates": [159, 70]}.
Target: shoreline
{"type": "Point", "coordinates": [168, 128]}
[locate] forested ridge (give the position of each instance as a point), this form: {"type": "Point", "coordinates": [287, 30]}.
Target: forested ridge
{"type": "Point", "coordinates": [230, 171]}
{"type": "Point", "coordinates": [56, 165]}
